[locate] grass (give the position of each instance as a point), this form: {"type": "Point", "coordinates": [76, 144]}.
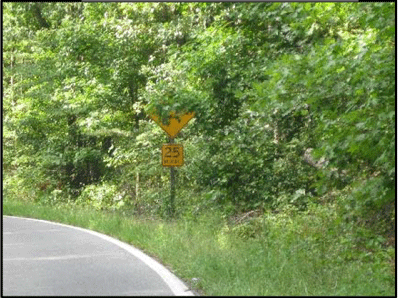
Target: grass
{"type": "Point", "coordinates": [291, 256]}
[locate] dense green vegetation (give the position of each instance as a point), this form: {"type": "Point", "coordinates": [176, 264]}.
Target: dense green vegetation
{"type": "Point", "coordinates": [292, 254]}
{"type": "Point", "coordinates": [294, 129]}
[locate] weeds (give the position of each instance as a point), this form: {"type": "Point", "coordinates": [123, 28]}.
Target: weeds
{"type": "Point", "coordinates": [273, 254]}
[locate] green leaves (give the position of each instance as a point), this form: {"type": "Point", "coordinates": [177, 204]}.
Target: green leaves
{"type": "Point", "coordinates": [269, 82]}
{"type": "Point", "coordinates": [294, 102]}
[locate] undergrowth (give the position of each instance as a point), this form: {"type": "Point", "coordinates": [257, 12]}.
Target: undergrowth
{"type": "Point", "coordinates": [272, 253]}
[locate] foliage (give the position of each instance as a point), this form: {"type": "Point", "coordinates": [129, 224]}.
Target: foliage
{"type": "Point", "coordinates": [294, 104]}
{"type": "Point", "coordinates": [289, 254]}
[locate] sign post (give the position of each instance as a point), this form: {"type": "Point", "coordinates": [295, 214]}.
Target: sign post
{"type": "Point", "coordinates": [171, 153]}
{"type": "Point", "coordinates": [171, 208]}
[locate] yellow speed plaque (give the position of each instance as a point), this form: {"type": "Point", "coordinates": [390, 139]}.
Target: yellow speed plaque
{"type": "Point", "coordinates": [172, 155]}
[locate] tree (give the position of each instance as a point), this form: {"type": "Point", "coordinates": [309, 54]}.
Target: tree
{"type": "Point", "coordinates": [292, 100]}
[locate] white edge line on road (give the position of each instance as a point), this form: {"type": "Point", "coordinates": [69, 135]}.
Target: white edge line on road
{"type": "Point", "coordinates": [175, 284]}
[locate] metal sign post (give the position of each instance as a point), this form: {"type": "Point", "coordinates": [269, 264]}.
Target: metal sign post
{"type": "Point", "coordinates": [172, 154]}
{"type": "Point", "coordinates": [171, 208]}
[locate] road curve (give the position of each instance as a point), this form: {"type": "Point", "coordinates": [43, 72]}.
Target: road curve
{"type": "Point", "coordinates": [42, 258]}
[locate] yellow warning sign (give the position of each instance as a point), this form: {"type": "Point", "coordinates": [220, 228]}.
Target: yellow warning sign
{"type": "Point", "coordinates": [175, 123]}
{"type": "Point", "coordinates": [172, 155]}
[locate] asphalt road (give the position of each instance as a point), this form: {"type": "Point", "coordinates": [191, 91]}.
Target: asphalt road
{"type": "Point", "coordinates": [41, 258]}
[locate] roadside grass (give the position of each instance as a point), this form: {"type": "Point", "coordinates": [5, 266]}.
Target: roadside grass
{"type": "Point", "coordinates": [291, 255]}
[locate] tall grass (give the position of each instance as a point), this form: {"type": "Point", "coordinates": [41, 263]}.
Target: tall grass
{"type": "Point", "coordinates": [276, 254]}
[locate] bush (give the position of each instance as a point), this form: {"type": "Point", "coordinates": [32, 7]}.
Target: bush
{"type": "Point", "coordinates": [102, 196]}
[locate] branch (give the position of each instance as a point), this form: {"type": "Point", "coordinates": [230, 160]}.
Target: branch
{"type": "Point", "coordinates": [38, 14]}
